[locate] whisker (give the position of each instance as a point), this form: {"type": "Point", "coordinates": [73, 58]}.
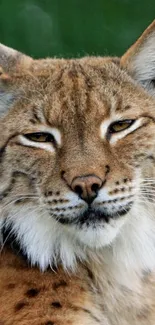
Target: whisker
{"type": "Point", "coordinates": [9, 220]}
{"type": "Point", "coordinates": [148, 193]}
{"type": "Point", "coordinates": [147, 188]}
{"type": "Point", "coordinates": [23, 195]}
{"type": "Point", "coordinates": [5, 241]}
{"type": "Point", "coordinates": [147, 201]}
{"type": "Point", "coordinates": [14, 201]}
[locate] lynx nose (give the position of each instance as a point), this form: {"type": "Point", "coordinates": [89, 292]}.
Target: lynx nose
{"type": "Point", "coordinates": [87, 187]}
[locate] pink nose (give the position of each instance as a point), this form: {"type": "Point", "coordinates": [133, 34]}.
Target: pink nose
{"type": "Point", "coordinates": [87, 187]}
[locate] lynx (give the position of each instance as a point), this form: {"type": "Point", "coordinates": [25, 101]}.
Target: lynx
{"type": "Point", "coordinates": [77, 188]}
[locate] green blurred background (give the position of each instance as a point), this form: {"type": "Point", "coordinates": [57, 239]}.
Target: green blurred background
{"type": "Point", "coordinates": [73, 28]}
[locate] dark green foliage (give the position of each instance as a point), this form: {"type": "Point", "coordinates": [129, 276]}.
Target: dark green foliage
{"type": "Point", "coordinates": [69, 28]}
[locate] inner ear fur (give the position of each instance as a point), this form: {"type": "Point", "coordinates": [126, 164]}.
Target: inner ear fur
{"type": "Point", "coordinates": [139, 60]}
{"type": "Point", "coordinates": [11, 62]}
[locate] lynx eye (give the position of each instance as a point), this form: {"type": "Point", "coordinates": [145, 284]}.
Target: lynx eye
{"type": "Point", "coordinates": [120, 126]}
{"type": "Point", "coordinates": [40, 137]}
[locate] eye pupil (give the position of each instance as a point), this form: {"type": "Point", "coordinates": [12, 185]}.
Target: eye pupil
{"type": "Point", "coordinates": [40, 137]}
{"type": "Point", "coordinates": [120, 126]}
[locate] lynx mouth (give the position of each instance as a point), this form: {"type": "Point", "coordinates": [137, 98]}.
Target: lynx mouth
{"type": "Point", "coordinates": [94, 216]}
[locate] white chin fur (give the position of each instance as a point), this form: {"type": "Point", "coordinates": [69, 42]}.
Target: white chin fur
{"type": "Point", "coordinates": [45, 241]}
{"type": "Point", "coordinates": [100, 236]}
{"type": "Point", "coordinates": [127, 242]}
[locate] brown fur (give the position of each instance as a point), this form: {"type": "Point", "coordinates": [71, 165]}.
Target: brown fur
{"type": "Point", "coordinates": [28, 296]}
{"type": "Point", "coordinates": [74, 96]}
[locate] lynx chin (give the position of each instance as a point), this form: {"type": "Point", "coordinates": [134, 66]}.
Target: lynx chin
{"type": "Point", "coordinates": [77, 181]}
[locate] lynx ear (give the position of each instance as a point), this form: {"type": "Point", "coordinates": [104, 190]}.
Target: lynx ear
{"type": "Point", "coordinates": [11, 62]}
{"type": "Point", "coordinates": [139, 60]}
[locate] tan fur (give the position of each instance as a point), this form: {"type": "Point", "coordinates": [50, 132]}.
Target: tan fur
{"type": "Point", "coordinates": [106, 277]}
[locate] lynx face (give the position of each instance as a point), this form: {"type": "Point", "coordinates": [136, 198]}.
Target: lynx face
{"type": "Point", "coordinates": [77, 143]}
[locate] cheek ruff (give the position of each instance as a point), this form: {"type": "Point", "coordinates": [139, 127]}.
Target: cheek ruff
{"type": "Point", "coordinates": [10, 241]}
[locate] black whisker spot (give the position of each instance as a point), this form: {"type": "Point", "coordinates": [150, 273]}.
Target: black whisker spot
{"type": "Point", "coordinates": [56, 304]}
{"type": "Point", "coordinates": [20, 305]}
{"type": "Point", "coordinates": [107, 167]}
{"type": "Point", "coordinates": [32, 292]}
{"type": "Point", "coordinates": [59, 284]}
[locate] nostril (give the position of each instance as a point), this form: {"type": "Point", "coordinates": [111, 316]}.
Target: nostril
{"type": "Point", "coordinates": [95, 187]}
{"type": "Point", "coordinates": [78, 189]}
{"type": "Point", "coordinates": [87, 187]}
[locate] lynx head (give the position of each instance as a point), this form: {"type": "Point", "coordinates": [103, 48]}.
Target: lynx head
{"type": "Point", "coordinates": [77, 144]}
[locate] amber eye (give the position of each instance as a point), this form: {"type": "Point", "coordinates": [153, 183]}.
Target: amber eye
{"type": "Point", "coordinates": [120, 126]}
{"type": "Point", "coordinates": [40, 137]}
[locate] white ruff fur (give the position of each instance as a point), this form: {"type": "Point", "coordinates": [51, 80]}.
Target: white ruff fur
{"type": "Point", "coordinates": [131, 251]}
